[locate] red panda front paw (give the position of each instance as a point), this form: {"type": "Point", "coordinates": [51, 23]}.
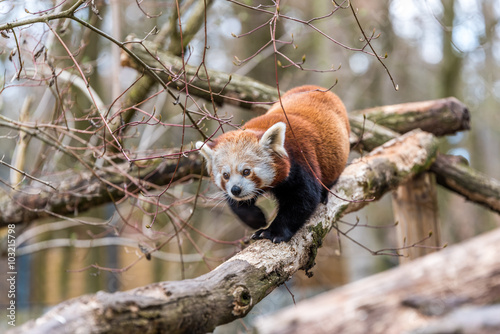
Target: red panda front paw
{"type": "Point", "coordinates": [275, 236]}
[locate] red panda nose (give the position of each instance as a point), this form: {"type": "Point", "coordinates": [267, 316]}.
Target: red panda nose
{"type": "Point", "coordinates": [235, 190]}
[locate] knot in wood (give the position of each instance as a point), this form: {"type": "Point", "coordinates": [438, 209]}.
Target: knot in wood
{"type": "Point", "coordinates": [242, 301]}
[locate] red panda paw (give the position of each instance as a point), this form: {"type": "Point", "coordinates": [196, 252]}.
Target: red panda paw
{"type": "Point", "coordinates": [275, 236]}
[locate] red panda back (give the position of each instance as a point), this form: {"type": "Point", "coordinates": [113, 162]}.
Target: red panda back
{"type": "Point", "coordinates": [320, 127]}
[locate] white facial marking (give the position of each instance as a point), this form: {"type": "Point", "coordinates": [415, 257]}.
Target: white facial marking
{"type": "Point", "coordinates": [265, 174]}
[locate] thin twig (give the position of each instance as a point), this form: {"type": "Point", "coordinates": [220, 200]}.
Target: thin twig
{"type": "Point", "coordinates": [24, 174]}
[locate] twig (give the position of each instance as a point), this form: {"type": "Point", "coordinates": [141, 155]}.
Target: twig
{"type": "Point", "coordinates": [368, 41]}
{"type": "Point", "coordinates": [24, 174]}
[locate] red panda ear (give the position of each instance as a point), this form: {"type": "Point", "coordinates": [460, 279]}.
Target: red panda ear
{"type": "Point", "coordinates": [207, 153]}
{"type": "Point", "coordinates": [274, 139]}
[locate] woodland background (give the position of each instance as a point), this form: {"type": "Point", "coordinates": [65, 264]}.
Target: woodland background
{"type": "Point", "coordinates": [434, 49]}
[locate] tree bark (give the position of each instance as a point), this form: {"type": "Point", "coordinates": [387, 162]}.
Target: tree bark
{"type": "Point", "coordinates": [232, 289]}
{"type": "Point", "coordinates": [451, 172]}
{"type": "Point", "coordinates": [407, 299]}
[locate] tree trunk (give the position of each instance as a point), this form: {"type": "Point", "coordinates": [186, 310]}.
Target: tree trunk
{"type": "Point", "coordinates": [415, 209]}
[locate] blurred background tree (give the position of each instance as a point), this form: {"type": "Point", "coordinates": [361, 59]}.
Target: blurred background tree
{"type": "Point", "coordinates": [63, 89]}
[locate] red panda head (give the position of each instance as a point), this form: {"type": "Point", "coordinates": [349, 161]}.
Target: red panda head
{"type": "Point", "coordinates": [244, 165]}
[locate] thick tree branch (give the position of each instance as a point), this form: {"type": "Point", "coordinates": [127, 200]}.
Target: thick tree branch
{"type": "Point", "coordinates": [419, 295]}
{"type": "Point", "coordinates": [87, 189]}
{"type": "Point", "coordinates": [453, 173]}
{"type": "Point", "coordinates": [226, 88]}
{"type": "Point", "coordinates": [440, 117]}
{"type": "Point", "coordinates": [232, 289]}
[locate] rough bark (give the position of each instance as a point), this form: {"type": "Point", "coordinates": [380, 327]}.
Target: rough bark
{"type": "Point", "coordinates": [451, 172]}
{"type": "Point", "coordinates": [420, 295]}
{"type": "Point", "coordinates": [366, 135]}
{"type": "Point", "coordinates": [232, 289]}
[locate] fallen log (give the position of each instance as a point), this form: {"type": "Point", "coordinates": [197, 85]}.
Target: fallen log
{"type": "Point", "coordinates": [406, 299]}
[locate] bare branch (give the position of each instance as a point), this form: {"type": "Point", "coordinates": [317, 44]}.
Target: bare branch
{"type": "Point", "coordinates": [368, 136]}
{"type": "Point", "coordinates": [44, 18]}
{"type": "Point", "coordinates": [242, 91]}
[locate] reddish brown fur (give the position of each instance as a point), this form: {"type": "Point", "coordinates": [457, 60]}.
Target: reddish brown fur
{"type": "Point", "coordinates": [318, 126]}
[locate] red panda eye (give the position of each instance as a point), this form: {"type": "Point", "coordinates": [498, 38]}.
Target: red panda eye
{"type": "Point", "coordinates": [246, 172]}
{"type": "Point", "coordinates": [225, 176]}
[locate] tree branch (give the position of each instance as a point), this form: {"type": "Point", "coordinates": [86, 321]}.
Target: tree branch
{"type": "Point", "coordinates": [440, 117]}
{"type": "Point", "coordinates": [87, 189]}
{"type": "Point", "coordinates": [453, 173]}
{"type": "Point", "coordinates": [44, 18]}
{"type": "Point", "coordinates": [226, 88]}
{"type": "Point", "coordinates": [232, 289]}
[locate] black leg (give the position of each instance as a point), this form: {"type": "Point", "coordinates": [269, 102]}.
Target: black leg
{"type": "Point", "coordinates": [325, 192]}
{"type": "Point", "coordinates": [298, 196]}
{"type": "Point", "coordinates": [249, 213]}
{"type": "Point", "coordinates": [324, 195]}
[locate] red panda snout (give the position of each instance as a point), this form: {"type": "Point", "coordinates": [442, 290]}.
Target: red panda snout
{"type": "Point", "coordinates": [240, 188]}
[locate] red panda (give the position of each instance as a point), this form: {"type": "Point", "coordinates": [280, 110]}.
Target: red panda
{"type": "Point", "coordinates": [292, 156]}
